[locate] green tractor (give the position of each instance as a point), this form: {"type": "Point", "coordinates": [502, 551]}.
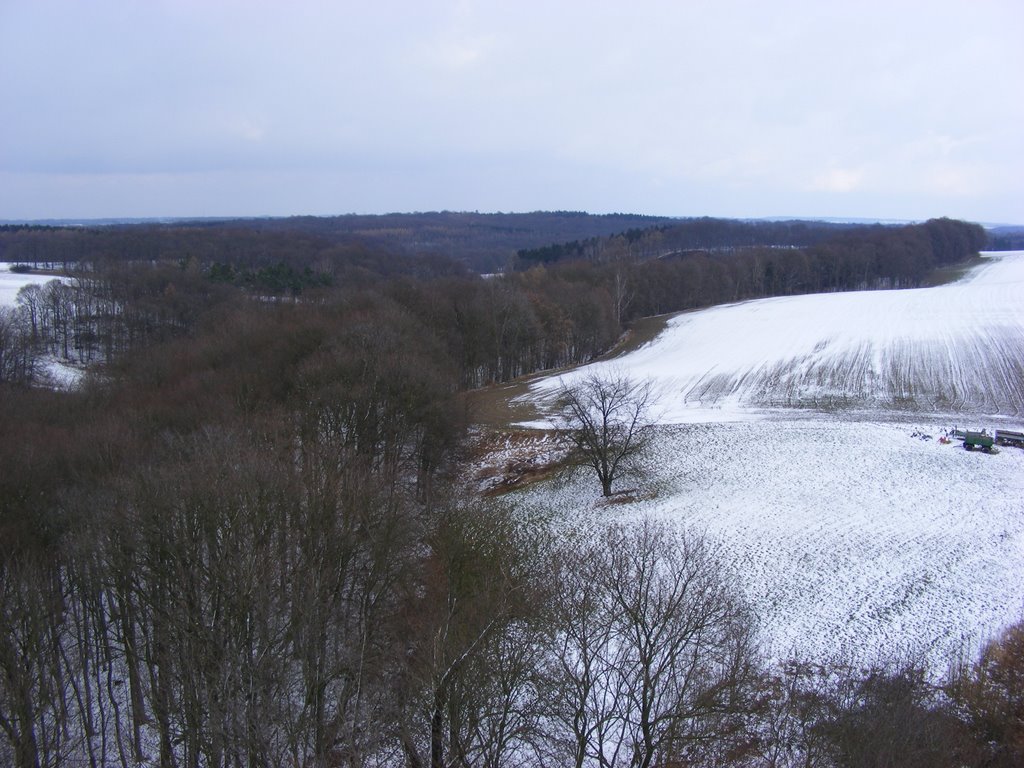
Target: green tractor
{"type": "Point", "coordinates": [981, 440]}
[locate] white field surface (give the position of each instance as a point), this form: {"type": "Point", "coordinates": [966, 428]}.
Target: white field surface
{"type": "Point", "coordinates": [852, 538]}
{"type": "Point", "coordinates": [11, 283]}
{"type": "Point", "coordinates": [949, 349]}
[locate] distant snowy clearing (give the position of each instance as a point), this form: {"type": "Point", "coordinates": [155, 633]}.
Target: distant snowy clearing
{"type": "Point", "coordinates": [55, 372]}
{"type": "Point", "coordinates": [12, 282]}
{"type": "Point", "coordinates": [950, 349]}
{"type": "Point", "coordinates": [787, 437]}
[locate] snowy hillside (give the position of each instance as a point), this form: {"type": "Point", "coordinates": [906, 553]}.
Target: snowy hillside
{"type": "Point", "coordinates": [852, 535]}
{"type": "Point", "coordinates": [949, 349]}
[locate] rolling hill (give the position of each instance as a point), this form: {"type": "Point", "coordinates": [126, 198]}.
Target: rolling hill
{"type": "Point", "coordinates": [956, 348]}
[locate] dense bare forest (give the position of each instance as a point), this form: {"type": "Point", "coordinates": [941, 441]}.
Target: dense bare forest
{"type": "Point", "coordinates": [482, 242]}
{"type": "Point", "coordinates": [137, 284]}
{"type": "Point", "coordinates": [485, 242]}
{"type": "Point", "coordinates": [244, 539]}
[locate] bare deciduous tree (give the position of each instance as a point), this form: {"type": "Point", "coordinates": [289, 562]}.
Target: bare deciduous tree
{"type": "Point", "coordinates": [607, 422]}
{"type": "Point", "coordinates": [654, 662]}
{"type": "Point", "coordinates": [471, 698]}
{"type": "Point", "coordinates": [990, 695]}
{"type": "Point", "coordinates": [17, 359]}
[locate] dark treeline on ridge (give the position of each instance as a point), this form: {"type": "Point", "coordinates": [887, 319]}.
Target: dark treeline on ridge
{"type": "Point", "coordinates": [1006, 238]}
{"type": "Point", "coordinates": [484, 242]}
{"type": "Point", "coordinates": [539, 317]}
{"type": "Point", "coordinates": [701, 234]}
{"type": "Point", "coordinates": [245, 539]}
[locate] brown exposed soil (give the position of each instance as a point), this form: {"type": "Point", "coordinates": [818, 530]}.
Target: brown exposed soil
{"type": "Point", "coordinates": [510, 459]}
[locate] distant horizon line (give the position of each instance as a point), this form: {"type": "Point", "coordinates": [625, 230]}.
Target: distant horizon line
{"type": "Point", "coordinates": [101, 221]}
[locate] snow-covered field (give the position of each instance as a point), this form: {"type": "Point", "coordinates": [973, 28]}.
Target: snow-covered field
{"type": "Point", "coordinates": [953, 348]}
{"type": "Point", "coordinates": [12, 282]}
{"type": "Point", "coordinates": [852, 537]}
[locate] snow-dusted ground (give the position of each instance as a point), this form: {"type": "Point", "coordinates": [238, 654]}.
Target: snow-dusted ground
{"type": "Point", "coordinates": [852, 538]}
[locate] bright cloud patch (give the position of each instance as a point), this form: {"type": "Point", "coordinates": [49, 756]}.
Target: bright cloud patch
{"type": "Point", "coordinates": [839, 180]}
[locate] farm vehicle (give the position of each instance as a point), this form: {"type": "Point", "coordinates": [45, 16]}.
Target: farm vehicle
{"type": "Point", "coordinates": [1008, 437]}
{"type": "Point", "coordinates": [984, 441]}
{"type": "Point", "coordinates": [981, 440]}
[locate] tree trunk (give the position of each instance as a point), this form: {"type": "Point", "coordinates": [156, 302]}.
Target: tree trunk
{"type": "Point", "coordinates": [437, 730]}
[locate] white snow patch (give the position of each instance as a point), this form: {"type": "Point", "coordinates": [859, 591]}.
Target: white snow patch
{"type": "Point", "coordinates": [12, 282]}
{"type": "Point", "coordinates": [60, 374]}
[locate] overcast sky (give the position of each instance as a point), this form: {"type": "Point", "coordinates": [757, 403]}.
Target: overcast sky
{"type": "Point", "coordinates": [892, 110]}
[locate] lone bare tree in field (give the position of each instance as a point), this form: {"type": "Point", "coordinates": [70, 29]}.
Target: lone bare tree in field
{"type": "Point", "coordinates": [607, 420]}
